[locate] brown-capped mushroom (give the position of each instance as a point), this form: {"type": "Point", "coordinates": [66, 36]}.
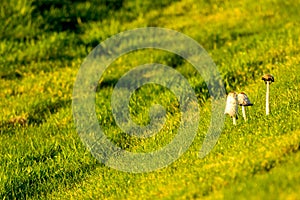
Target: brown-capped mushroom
{"type": "Point", "coordinates": [268, 78]}
{"type": "Point", "coordinates": [244, 101]}
{"type": "Point", "coordinates": [231, 108]}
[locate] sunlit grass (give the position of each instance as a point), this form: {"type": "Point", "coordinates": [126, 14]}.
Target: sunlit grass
{"type": "Point", "coordinates": [42, 155]}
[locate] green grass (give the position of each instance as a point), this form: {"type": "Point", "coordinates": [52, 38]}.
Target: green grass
{"type": "Point", "coordinates": [282, 182]}
{"type": "Point", "coordinates": [43, 44]}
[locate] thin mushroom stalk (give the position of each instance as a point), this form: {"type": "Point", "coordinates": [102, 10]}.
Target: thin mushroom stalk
{"type": "Point", "coordinates": [268, 78]}
{"type": "Point", "coordinates": [268, 98]}
{"type": "Point", "coordinates": [244, 113]}
{"type": "Point", "coordinates": [231, 108]}
{"type": "Point", "coordinates": [234, 121]}
{"type": "Point", "coordinates": [244, 101]}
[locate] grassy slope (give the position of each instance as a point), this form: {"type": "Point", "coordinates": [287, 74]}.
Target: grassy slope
{"type": "Point", "coordinates": [282, 182]}
{"type": "Point", "coordinates": [241, 156]}
{"type": "Point", "coordinates": [44, 156]}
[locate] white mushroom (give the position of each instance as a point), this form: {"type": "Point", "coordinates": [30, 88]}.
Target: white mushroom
{"type": "Point", "coordinates": [232, 106]}
{"type": "Point", "coordinates": [244, 101]}
{"type": "Point", "coordinates": [268, 78]}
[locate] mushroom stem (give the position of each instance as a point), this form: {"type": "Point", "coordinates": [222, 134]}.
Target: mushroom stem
{"type": "Point", "coordinates": [267, 98]}
{"type": "Point", "coordinates": [234, 120]}
{"type": "Point", "coordinates": [244, 113]}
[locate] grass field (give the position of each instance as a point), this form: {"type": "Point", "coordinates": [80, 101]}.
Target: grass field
{"type": "Point", "coordinates": [42, 46]}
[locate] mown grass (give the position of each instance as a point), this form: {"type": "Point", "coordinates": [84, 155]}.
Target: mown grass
{"type": "Point", "coordinates": [282, 182]}
{"type": "Point", "coordinates": [42, 46]}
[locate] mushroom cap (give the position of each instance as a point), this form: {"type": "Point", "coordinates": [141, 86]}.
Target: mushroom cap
{"type": "Point", "coordinates": [268, 77]}
{"type": "Point", "coordinates": [244, 100]}
{"type": "Point", "coordinates": [232, 105]}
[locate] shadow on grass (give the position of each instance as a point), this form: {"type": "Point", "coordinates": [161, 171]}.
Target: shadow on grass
{"type": "Point", "coordinates": [38, 157]}
{"type": "Point", "coordinates": [11, 75]}
{"type": "Point", "coordinates": [68, 15]}
{"type": "Point", "coordinates": [40, 182]}
{"type": "Point", "coordinates": [16, 69]}
{"type": "Point", "coordinates": [38, 114]}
